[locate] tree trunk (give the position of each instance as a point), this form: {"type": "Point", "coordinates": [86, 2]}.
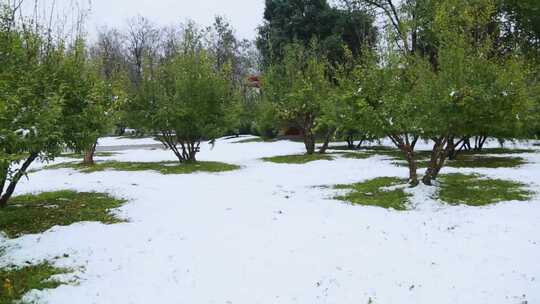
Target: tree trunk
{"type": "Point", "coordinates": [89, 155]}
{"type": "Point", "coordinates": [192, 149]}
{"type": "Point", "coordinates": [479, 142]}
{"type": "Point", "coordinates": [121, 131]}
{"type": "Point", "coordinates": [483, 140]}
{"type": "Point", "coordinates": [4, 197]}
{"type": "Point", "coordinates": [3, 200]}
{"type": "Point", "coordinates": [407, 147]}
{"type": "Point", "coordinates": [359, 146]}
{"type": "Point", "coordinates": [413, 168]}
{"type": "Point", "coordinates": [441, 149]}
{"type": "Point", "coordinates": [169, 140]}
{"type": "Point", "coordinates": [324, 147]}
{"type": "Point", "coordinates": [309, 142]}
{"type": "Point", "coordinates": [467, 144]}
{"type": "Point", "coordinates": [454, 150]}
{"type": "Point", "coordinates": [350, 142]}
{"type": "Point", "coordinates": [326, 143]}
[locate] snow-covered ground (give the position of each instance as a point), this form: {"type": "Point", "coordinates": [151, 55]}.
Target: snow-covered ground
{"type": "Point", "coordinates": [267, 234]}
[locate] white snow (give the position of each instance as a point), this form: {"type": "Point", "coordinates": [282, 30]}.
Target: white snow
{"type": "Point", "coordinates": [267, 234]}
{"type": "Point", "coordinates": [125, 141]}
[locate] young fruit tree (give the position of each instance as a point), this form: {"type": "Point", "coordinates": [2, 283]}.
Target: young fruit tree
{"type": "Point", "coordinates": [474, 91]}
{"type": "Point", "coordinates": [88, 103]}
{"type": "Point", "coordinates": [297, 87]}
{"type": "Point", "coordinates": [33, 91]}
{"type": "Point", "coordinates": [468, 90]}
{"type": "Point", "coordinates": [186, 99]}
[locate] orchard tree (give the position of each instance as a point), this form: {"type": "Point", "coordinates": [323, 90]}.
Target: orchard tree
{"type": "Point", "coordinates": [297, 87]}
{"type": "Point", "coordinates": [87, 111]}
{"type": "Point", "coordinates": [387, 97]}
{"type": "Point", "coordinates": [349, 118]}
{"type": "Point", "coordinates": [472, 92]}
{"type": "Point", "coordinates": [468, 92]}
{"type": "Point", "coordinates": [33, 87]}
{"type": "Point", "coordinates": [185, 99]}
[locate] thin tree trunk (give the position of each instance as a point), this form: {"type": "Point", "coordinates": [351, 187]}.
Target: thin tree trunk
{"type": "Point", "coordinates": [309, 142]}
{"type": "Point", "coordinates": [454, 150]}
{"type": "Point", "coordinates": [350, 142]}
{"type": "Point", "coordinates": [326, 143]}
{"type": "Point", "coordinates": [407, 147]}
{"type": "Point", "coordinates": [413, 168]}
{"type": "Point", "coordinates": [307, 132]}
{"type": "Point", "coordinates": [3, 177]}
{"type": "Point", "coordinates": [479, 142]}
{"type": "Point", "coordinates": [467, 144]}
{"type": "Point", "coordinates": [359, 146]}
{"type": "Point", "coordinates": [89, 155]}
{"type": "Point", "coordinates": [121, 130]}
{"type": "Point", "coordinates": [440, 152]}
{"type": "Point", "coordinates": [482, 141]}
{"type": "Point", "coordinates": [192, 149]}
{"type": "Point", "coordinates": [4, 197]}
{"type": "Point", "coordinates": [435, 154]}
{"type": "Point", "coordinates": [169, 141]}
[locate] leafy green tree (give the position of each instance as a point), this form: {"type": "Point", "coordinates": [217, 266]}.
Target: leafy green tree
{"type": "Point", "coordinates": [185, 99]}
{"type": "Point", "coordinates": [298, 87]}
{"type": "Point", "coordinates": [33, 90]}
{"type": "Point", "coordinates": [349, 118]}
{"type": "Point", "coordinates": [475, 93]}
{"type": "Point", "coordinates": [521, 25]}
{"type": "Point", "coordinates": [469, 92]}
{"type": "Point", "coordinates": [87, 111]}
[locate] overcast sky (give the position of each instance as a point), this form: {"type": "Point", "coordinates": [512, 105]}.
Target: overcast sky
{"type": "Point", "coordinates": [244, 15]}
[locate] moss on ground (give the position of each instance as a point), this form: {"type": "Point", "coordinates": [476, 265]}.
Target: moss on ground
{"type": "Point", "coordinates": [376, 192]}
{"type": "Point", "coordinates": [298, 159]}
{"type": "Point", "coordinates": [169, 167]}
{"type": "Point", "coordinates": [28, 214]}
{"type": "Point", "coordinates": [476, 190]}
{"type": "Point", "coordinates": [16, 282]}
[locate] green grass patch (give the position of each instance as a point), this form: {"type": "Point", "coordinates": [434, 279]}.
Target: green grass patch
{"type": "Point", "coordinates": [366, 148]}
{"type": "Point", "coordinates": [473, 161]}
{"type": "Point", "coordinates": [498, 151]}
{"type": "Point", "coordinates": [476, 190]}
{"type": "Point", "coordinates": [28, 214]}
{"type": "Point", "coordinates": [375, 192]}
{"type": "Point", "coordinates": [298, 159]}
{"type": "Point", "coordinates": [476, 161]}
{"type": "Point", "coordinates": [81, 155]}
{"type": "Point", "coordinates": [254, 140]}
{"type": "Point", "coordinates": [356, 155]}
{"type": "Point", "coordinates": [16, 282]}
{"type": "Point", "coordinates": [169, 167]}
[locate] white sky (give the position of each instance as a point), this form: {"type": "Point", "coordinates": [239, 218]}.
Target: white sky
{"type": "Point", "coordinates": [244, 15]}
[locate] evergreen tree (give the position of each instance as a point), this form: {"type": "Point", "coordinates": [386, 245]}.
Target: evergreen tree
{"type": "Point", "coordinates": [301, 21]}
